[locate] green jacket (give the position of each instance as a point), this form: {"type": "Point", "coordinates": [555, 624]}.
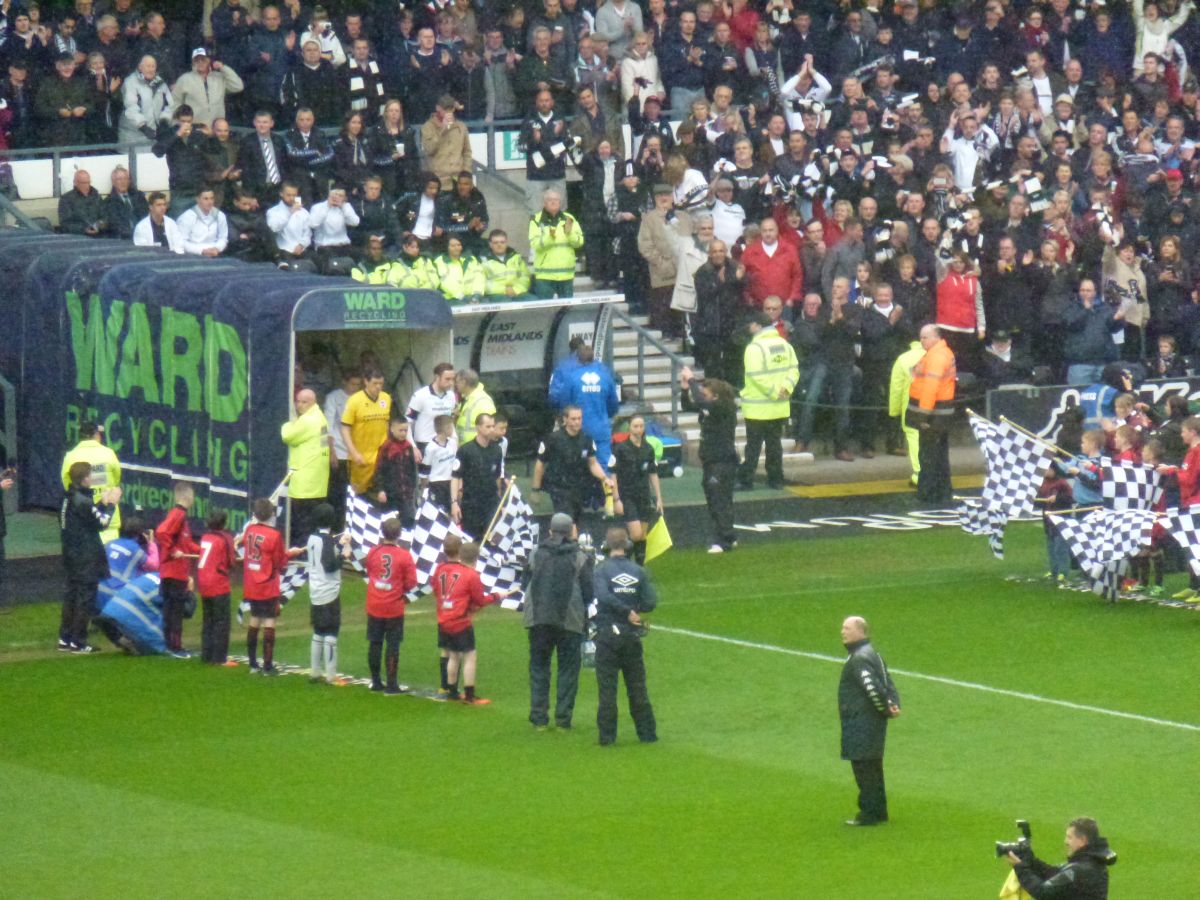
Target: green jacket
{"type": "Point", "coordinates": [414, 274]}
{"type": "Point", "coordinates": [501, 273]}
{"type": "Point", "coordinates": [771, 369]}
{"type": "Point", "coordinates": [902, 377]}
{"type": "Point", "coordinates": [469, 408]}
{"type": "Point", "coordinates": [459, 278]}
{"type": "Point", "coordinates": [106, 473]}
{"type": "Point", "coordinates": [554, 253]}
{"type": "Point", "coordinates": [373, 273]}
{"type": "Point", "coordinates": [307, 438]}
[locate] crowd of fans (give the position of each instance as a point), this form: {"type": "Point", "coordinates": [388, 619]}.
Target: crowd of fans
{"type": "Point", "coordinates": [1021, 174]}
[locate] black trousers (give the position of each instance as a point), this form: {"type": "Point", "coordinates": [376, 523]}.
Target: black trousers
{"type": "Point", "coordinates": [622, 655]}
{"type": "Point", "coordinates": [174, 594]}
{"type": "Point", "coordinates": [302, 519]}
{"type": "Point", "coordinates": [544, 642]}
{"type": "Point", "coordinates": [77, 609]}
{"type": "Point", "coordinates": [718, 494]}
{"type": "Point", "coordinates": [214, 631]}
{"type": "Point", "coordinates": [760, 432]}
{"type": "Point", "coordinates": [339, 480]}
{"type": "Point", "coordinates": [873, 420]}
{"type": "Point", "coordinates": [872, 798]}
{"type": "Point", "coordinates": [933, 452]}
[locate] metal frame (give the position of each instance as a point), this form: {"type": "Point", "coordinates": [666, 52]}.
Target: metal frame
{"type": "Point", "coordinates": [677, 363]}
{"type": "Point", "coordinates": [8, 437]}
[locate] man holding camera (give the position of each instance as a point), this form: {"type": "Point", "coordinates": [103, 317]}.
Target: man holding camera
{"type": "Point", "coordinates": [867, 698]}
{"type": "Point", "coordinates": [1084, 876]}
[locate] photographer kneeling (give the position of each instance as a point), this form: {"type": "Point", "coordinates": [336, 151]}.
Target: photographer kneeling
{"type": "Point", "coordinates": [1085, 874]}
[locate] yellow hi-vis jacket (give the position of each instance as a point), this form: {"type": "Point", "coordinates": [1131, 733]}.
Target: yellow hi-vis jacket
{"type": "Point", "coordinates": [902, 376]}
{"type": "Point", "coordinates": [413, 274]}
{"type": "Point", "coordinates": [502, 273]}
{"type": "Point", "coordinates": [307, 439]}
{"type": "Point", "coordinates": [469, 408]}
{"type": "Point", "coordinates": [373, 273]}
{"type": "Point", "coordinates": [771, 369]}
{"type": "Point", "coordinates": [554, 254]}
{"type": "Point", "coordinates": [459, 278]}
{"type": "Point", "coordinates": [106, 473]}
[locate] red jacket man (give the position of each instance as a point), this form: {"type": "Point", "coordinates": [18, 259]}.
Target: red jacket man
{"type": "Point", "coordinates": [772, 268]}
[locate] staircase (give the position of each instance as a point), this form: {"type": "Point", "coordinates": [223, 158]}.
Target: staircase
{"type": "Point", "coordinates": [657, 368]}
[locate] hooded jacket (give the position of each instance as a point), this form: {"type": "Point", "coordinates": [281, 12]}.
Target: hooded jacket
{"type": "Point", "coordinates": [1083, 877]}
{"type": "Point", "coordinates": [560, 585]}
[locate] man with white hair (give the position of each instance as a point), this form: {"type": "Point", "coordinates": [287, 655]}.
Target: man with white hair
{"type": "Point", "coordinates": [554, 238]}
{"type": "Point", "coordinates": [148, 104]}
{"type": "Point", "coordinates": [205, 88]}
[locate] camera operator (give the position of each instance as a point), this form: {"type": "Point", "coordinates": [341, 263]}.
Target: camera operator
{"type": "Point", "coordinates": [1083, 877]}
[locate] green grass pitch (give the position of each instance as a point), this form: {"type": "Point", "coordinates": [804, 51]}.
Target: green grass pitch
{"type": "Point", "coordinates": [123, 777]}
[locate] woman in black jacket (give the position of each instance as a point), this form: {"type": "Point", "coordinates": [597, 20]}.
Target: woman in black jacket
{"type": "Point", "coordinates": [602, 173]}
{"type": "Point", "coordinates": [81, 520]}
{"type": "Point", "coordinates": [714, 400]}
{"type": "Point", "coordinates": [352, 155]}
{"type": "Point", "coordinates": [393, 151]}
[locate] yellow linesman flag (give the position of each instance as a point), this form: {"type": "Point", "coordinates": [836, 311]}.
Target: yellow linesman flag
{"type": "Point", "coordinates": [658, 539]}
{"type": "Point", "coordinates": [1012, 890]}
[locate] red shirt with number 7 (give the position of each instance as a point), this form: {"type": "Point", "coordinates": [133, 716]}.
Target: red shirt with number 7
{"type": "Point", "coordinates": [391, 573]}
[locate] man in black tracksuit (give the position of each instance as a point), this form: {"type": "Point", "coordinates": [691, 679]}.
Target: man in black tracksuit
{"type": "Point", "coordinates": [623, 591]}
{"type": "Point", "coordinates": [81, 520]}
{"type": "Point", "coordinates": [867, 698]}
{"type": "Point", "coordinates": [1085, 875]}
{"type": "Point", "coordinates": [714, 400]}
{"type": "Point", "coordinates": [556, 600]}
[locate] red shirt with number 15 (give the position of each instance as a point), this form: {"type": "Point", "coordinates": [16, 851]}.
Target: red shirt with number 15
{"type": "Point", "coordinates": [391, 573]}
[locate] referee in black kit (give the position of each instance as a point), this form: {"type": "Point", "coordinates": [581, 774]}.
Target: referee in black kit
{"type": "Point", "coordinates": [478, 480]}
{"type": "Point", "coordinates": [567, 466]}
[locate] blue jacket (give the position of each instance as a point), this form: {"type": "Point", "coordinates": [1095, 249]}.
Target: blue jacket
{"type": "Point", "coordinates": [1085, 487]}
{"type": "Point", "coordinates": [621, 586]}
{"type": "Point", "coordinates": [590, 387]}
{"type": "Point", "coordinates": [1096, 403]}
{"type": "Point", "coordinates": [125, 560]}
{"type": "Point", "coordinates": [1090, 331]}
{"type": "Point", "coordinates": [136, 608]}
{"type": "Point", "coordinates": [560, 380]}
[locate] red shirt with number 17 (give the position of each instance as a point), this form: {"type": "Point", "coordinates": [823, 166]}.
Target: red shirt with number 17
{"type": "Point", "coordinates": [391, 573]}
{"type": "Point", "coordinates": [459, 592]}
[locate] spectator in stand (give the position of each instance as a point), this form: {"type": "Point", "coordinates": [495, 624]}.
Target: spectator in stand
{"type": "Point", "coordinates": [203, 229]}
{"type": "Point", "coordinates": [506, 275]}
{"type": "Point", "coordinates": [62, 105]}
{"type": "Point", "coordinates": [885, 333]}
{"type": "Point", "coordinates": [1091, 325]}
{"type": "Point", "coordinates": [330, 222]}
{"type": "Point", "coordinates": [363, 82]}
{"type": "Point", "coordinates": [268, 59]}
{"type": "Point", "coordinates": [693, 253]}
{"type": "Point", "coordinates": [351, 155]}
{"type": "Point", "coordinates": [591, 125]}
{"type": "Point", "coordinates": [417, 212]}
{"type": "Point", "coordinates": [112, 45]}
{"type": "Point", "coordinates": [262, 157]}
{"type": "Point", "coordinates": [619, 24]}
{"type": "Point", "coordinates": [158, 229]}
{"type": "Point", "coordinates": [959, 314]}
{"type": "Point", "coordinates": [499, 66]}
{"type": "Point", "coordinates": [309, 156]}
{"type": "Point", "coordinates": [17, 93]}
{"type": "Point", "coordinates": [313, 84]}
{"type": "Point", "coordinates": [660, 236]}
{"type": "Point", "coordinates": [81, 209]}
{"type": "Point", "coordinates": [842, 260]}
{"type": "Point", "coordinates": [554, 238]}
{"type": "Point", "coordinates": [601, 171]}
{"type": "Point", "coordinates": [205, 88]}
{"type": "Point", "coordinates": [321, 32]}
{"type": "Point", "coordinates": [772, 268]}
{"type": "Point", "coordinates": [147, 103]}
{"type": "Point", "coordinates": [445, 143]}
{"type": "Point", "coordinates": [124, 207]}
{"type": "Point", "coordinates": [189, 150]}
{"type": "Point", "coordinates": [720, 285]}
{"type": "Point", "coordinates": [827, 342]}
{"type": "Point", "coordinates": [393, 150]}
{"type": "Point", "coordinates": [463, 213]}
{"type": "Point", "coordinates": [376, 216]}
{"type": "Point", "coordinates": [288, 220]}
{"type": "Point", "coordinates": [429, 71]}
{"type": "Point", "coordinates": [249, 236]}
{"type": "Point", "coordinates": [544, 136]}
{"type": "Point", "coordinates": [682, 64]}
{"type": "Point", "coordinates": [640, 76]}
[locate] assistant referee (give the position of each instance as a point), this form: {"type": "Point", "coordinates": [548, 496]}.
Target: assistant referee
{"type": "Point", "coordinates": [567, 467]}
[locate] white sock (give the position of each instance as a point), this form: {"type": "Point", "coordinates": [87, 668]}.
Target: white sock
{"type": "Point", "coordinates": [330, 656]}
{"type": "Point", "coordinates": [315, 656]}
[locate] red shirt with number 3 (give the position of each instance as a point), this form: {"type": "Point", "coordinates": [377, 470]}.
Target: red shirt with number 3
{"type": "Point", "coordinates": [391, 573]}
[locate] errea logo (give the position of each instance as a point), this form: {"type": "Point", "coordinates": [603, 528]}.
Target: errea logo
{"type": "Point", "coordinates": [591, 382]}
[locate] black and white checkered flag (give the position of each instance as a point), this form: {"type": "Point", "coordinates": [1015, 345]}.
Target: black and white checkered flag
{"type": "Point", "coordinates": [515, 533]}
{"type": "Point", "coordinates": [986, 434]}
{"type": "Point", "coordinates": [1103, 541]}
{"type": "Point", "coordinates": [976, 518]}
{"type": "Point", "coordinates": [1184, 526]}
{"type": "Point", "coordinates": [1126, 485]}
{"type": "Point", "coordinates": [294, 577]}
{"type": "Point", "coordinates": [1015, 472]}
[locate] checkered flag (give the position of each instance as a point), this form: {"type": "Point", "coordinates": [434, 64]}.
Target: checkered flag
{"type": "Point", "coordinates": [427, 537]}
{"type": "Point", "coordinates": [1103, 541]}
{"type": "Point", "coordinates": [986, 434]}
{"type": "Point", "coordinates": [294, 577]}
{"type": "Point", "coordinates": [976, 518]}
{"type": "Point", "coordinates": [1126, 485]}
{"type": "Point", "coordinates": [499, 576]}
{"type": "Point", "coordinates": [1015, 472]}
{"type": "Point", "coordinates": [1184, 526]}
{"type": "Point", "coordinates": [364, 524]}
{"type": "Point", "coordinates": [515, 533]}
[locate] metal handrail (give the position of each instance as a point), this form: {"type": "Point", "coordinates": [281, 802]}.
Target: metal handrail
{"type": "Point", "coordinates": [677, 363]}
{"type": "Point", "coordinates": [8, 208]}
{"type": "Point", "coordinates": [8, 437]}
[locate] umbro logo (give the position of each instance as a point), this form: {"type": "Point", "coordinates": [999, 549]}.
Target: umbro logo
{"type": "Point", "coordinates": [625, 579]}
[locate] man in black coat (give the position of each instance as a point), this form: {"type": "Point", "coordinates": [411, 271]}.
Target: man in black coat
{"type": "Point", "coordinates": [1083, 877]}
{"type": "Point", "coordinates": [124, 207]}
{"type": "Point", "coordinates": [867, 698]}
{"type": "Point", "coordinates": [313, 84]}
{"type": "Point", "coordinates": [262, 157]}
{"type": "Point", "coordinates": [81, 209]}
{"type": "Point", "coordinates": [720, 283]}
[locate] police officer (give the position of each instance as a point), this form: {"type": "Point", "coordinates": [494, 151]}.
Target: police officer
{"type": "Point", "coordinates": [771, 375]}
{"type": "Point", "coordinates": [567, 466]}
{"type": "Point", "coordinates": [106, 471]}
{"type": "Point", "coordinates": [477, 482]}
{"type": "Point", "coordinates": [623, 592]}
{"type": "Point", "coordinates": [307, 439]}
{"type": "Point", "coordinates": [867, 698]}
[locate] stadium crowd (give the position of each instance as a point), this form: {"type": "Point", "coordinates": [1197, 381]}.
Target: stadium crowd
{"type": "Point", "coordinates": [1021, 174]}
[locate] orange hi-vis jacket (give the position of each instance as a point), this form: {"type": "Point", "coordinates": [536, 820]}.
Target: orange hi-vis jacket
{"type": "Point", "coordinates": [932, 390]}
